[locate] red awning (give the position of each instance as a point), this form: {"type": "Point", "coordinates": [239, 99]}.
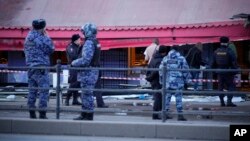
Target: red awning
{"type": "Point", "coordinates": [134, 36]}
{"type": "Point", "coordinates": [122, 24]}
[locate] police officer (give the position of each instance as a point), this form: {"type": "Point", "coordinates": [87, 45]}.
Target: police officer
{"type": "Point", "coordinates": [87, 78]}
{"type": "Point", "coordinates": [73, 51]}
{"type": "Point", "coordinates": [38, 47]}
{"type": "Point", "coordinates": [224, 58]}
{"type": "Point", "coordinates": [175, 80]}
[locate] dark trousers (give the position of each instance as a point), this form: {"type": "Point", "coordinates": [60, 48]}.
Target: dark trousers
{"type": "Point", "coordinates": [226, 81]}
{"type": "Point", "coordinates": [73, 92]}
{"type": "Point", "coordinates": [157, 106]}
{"type": "Point", "coordinates": [98, 95]}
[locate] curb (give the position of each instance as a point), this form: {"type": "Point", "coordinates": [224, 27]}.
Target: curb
{"type": "Point", "coordinates": [180, 130]}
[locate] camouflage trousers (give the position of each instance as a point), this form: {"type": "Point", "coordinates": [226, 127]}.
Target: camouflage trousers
{"type": "Point", "coordinates": [178, 100]}
{"type": "Point", "coordinates": [38, 78]}
{"type": "Point", "coordinates": [87, 96]}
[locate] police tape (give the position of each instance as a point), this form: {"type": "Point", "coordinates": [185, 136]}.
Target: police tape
{"type": "Point", "coordinates": [193, 80]}
{"type": "Point", "coordinates": [12, 71]}
{"type": "Point", "coordinates": [134, 78]}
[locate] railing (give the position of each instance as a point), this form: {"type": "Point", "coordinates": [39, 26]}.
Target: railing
{"type": "Point", "coordinates": [58, 68]}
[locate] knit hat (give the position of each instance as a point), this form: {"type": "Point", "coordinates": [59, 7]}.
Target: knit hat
{"type": "Point", "coordinates": [75, 37]}
{"type": "Point", "coordinates": [38, 24]}
{"type": "Point", "coordinates": [224, 39]}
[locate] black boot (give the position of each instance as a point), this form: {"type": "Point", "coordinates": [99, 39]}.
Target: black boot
{"type": "Point", "coordinates": [43, 115]}
{"type": "Point", "coordinates": [83, 116]}
{"type": "Point", "coordinates": [90, 116]}
{"type": "Point", "coordinates": [229, 102]}
{"type": "Point", "coordinates": [32, 114]}
{"type": "Point", "coordinates": [181, 118]}
{"type": "Point", "coordinates": [156, 117]}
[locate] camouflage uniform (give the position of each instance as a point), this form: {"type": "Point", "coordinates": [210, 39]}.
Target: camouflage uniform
{"type": "Point", "coordinates": [87, 78]}
{"type": "Point", "coordinates": [38, 48]}
{"type": "Point", "coordinates": [175, 80]}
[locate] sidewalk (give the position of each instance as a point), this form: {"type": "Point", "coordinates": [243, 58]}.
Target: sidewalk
{"type": "Point", "coordinates": [133, 108]}
{"type": "Point", "coordinates": [124, 124]}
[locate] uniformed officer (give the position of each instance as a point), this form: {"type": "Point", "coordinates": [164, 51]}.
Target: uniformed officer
{"type": "Point", "coordinates": [224, 58]}
{"type": "Point", "coordinates": [73, 51]}
{"type": "Point", "coordinates": [38, 47]}
{"type": "Point", "coordinates": [175, 80]}
{"type": "Point", "coordinates": [87, 78]}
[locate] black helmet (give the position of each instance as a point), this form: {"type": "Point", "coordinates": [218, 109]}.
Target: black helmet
{"type": "Point", "coordinates": [39, 24]}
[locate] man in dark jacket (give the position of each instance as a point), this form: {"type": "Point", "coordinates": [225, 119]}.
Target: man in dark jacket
{"type": "Point", "coordinates": [224, 58]}
{"type": "Point", "coordinates": [73, 52]}
{"type": "Point", "coordinates": [153, 78]}
{"type": "Point", "coordinates": [194, 60]}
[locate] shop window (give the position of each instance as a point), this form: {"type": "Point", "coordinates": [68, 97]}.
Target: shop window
{"type": "Point", "coordinates": [136, 56]}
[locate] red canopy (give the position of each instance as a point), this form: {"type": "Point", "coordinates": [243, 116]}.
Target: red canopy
{"type": "Point", "coordinates": [122, 24]}
{"type": "Point", "coordinates": [134, 36]}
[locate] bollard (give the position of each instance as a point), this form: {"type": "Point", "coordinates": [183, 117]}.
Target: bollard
{"type": "Point", "coordinates": [58, 88]}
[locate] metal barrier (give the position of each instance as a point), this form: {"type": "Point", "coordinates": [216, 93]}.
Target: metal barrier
{"type": "Point", "coordinates": [58, 68]}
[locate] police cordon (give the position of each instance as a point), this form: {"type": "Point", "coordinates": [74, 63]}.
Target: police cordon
{"type": "Point", "coordinates": [130, 78]}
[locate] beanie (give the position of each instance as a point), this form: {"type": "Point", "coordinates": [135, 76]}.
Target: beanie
{"type": "Point", "coordinates": [75, 37]}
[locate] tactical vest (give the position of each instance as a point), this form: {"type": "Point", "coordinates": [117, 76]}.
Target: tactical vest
{"type": "Point", "coordinates": [95, 62]}
{"type": "Point", "coordinates": [222, 57]}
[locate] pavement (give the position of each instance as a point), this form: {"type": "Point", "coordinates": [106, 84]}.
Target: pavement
{"type": "Point", "coordinates": [127, 118]}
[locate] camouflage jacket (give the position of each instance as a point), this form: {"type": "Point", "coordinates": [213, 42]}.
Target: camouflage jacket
{"type": "Point", "coordinates": [88, 51]}
{"type": "Point", "coordinates": [175, 79]}
{"type": "Point", "coordinates": [37, 49]}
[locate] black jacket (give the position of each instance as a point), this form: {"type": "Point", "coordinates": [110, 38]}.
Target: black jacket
{"type": "Point", "coordinates": [194, 58]}
{"type": "Point", "coordinates": [73, 52]}
{"type": "Point", "coordinates": [224, 58]}
{"type": "Point", "coordinates": [153, 76]}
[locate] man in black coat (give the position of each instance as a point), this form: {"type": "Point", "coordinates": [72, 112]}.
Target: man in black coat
{"type": "Point", "coordinates": [225, 58]}
{"type": "Point", "coordinates": [194, 59]}
{"type": "Point", "coordinates": [153, 78]}
{"type": "Point", "coordinates": [73, 51]}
